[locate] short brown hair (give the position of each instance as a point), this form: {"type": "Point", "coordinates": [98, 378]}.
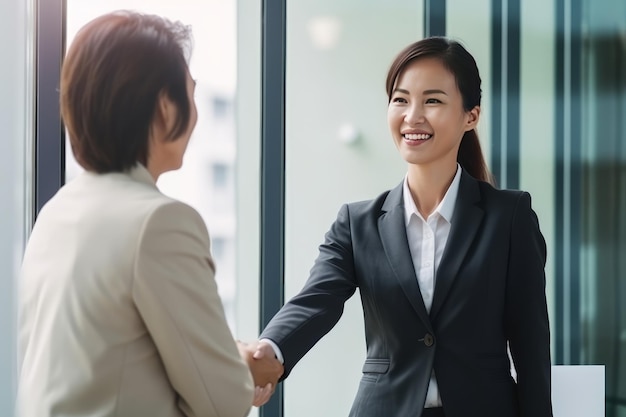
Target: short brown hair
{"type": "Point", "coordinates": [111, 79]}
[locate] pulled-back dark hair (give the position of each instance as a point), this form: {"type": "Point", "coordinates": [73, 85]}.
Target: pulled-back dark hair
{"type": "Point", "coordinates": [112, 76]}
{"type": "Point", "coordinates": [462, 65]}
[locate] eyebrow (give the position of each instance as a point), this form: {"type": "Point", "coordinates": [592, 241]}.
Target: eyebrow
{"type": "Point", "coordinates": [435, 92]}
{"type": "Point", "coordinates": [401, 90]}
{"type": "Point", "coordinates": [426, 92]}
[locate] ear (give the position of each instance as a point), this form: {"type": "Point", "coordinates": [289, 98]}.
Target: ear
{"type": "Point", "coordinates": [472, 118]}
{"type": "Point", "coordinates": [164, 115]}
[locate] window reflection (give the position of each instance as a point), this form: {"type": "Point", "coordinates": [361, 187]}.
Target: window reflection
{"type": "Point", "coordinates": [603, 266]}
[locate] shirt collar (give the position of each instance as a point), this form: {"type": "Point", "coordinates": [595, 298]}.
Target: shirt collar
{"type": "Point", "coordinates": [445, 208]}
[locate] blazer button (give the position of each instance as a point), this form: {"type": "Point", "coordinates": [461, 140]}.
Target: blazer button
{"type": "Point", "coordinates": [429, 340]}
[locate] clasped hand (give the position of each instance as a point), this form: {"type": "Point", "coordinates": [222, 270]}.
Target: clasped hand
{"type": "Point", "coordinates": [265, 369]}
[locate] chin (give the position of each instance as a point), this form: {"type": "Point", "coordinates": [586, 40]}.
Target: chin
{"type": "Point", "coordinates": [177, 165]}
{"type": "Point", "coordinates": [413, 159]}
{"type": "Point", "coordinates": [172, 168]}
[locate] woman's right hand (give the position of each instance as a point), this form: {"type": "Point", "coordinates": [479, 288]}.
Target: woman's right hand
{"type": "Point", "coordinates": [265, 369]}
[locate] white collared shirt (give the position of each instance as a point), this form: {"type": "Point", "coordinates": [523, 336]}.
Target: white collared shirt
{"type": "Point", "coordinates": [427, 240]}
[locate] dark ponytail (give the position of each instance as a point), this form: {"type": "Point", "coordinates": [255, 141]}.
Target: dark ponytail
{"type": "Point", "coordinates": [470, 157]}
{"type": "Point", "coordinates": [463, 66]}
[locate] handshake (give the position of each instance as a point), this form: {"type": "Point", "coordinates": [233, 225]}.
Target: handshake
{"type": "Point", "coordinates": [266, 369]}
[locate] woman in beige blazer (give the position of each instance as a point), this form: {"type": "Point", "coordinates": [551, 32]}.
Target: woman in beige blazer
{"type": "Point", "coordinates": [119, 313]}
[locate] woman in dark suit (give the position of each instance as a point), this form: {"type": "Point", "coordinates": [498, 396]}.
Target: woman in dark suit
{"type": "Point", "coordinates": [450, 269]}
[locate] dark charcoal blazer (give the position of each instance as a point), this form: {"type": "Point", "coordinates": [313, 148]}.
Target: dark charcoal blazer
{"type": "Point", "coordinates": [490, 290]}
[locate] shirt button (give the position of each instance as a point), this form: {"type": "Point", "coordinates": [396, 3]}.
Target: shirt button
{"type": "Point", "coordinates": [429, 340]}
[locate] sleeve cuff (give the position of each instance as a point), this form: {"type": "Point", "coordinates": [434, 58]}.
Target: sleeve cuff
{"type": "Point", "coordinates": [277, 352]}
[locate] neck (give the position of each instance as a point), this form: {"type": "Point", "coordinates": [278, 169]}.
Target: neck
{"type": "Point", "coordinates": [154, 170]}
{"type": "Point", "coordinates": [429, 184]}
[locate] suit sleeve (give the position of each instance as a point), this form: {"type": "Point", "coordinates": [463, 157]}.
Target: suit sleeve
{"type": "Point", "coordinates": [176, 294]}
{"type": "Point", "coordinates": [313, 312]}
{"type": "Point", "coordinates": [527, 324]}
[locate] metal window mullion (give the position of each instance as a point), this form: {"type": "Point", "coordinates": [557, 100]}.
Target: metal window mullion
{"type": "Point", "coordinates": [561, 101]}
{"type": "Point", "coordinates": [506, 94]}
{"type": "Point", "coordinates": [49, 165]}
{"type": "Point", "coordinates": [498, 123]}
{"type": "Point", "coordinates": [434, 18]}
{"type": "Point", "coordinates": [273, 56]}
{"type": "Point", "coordinates": [513, 94]}
{"type": "Point", "coordinates": [568, 181]}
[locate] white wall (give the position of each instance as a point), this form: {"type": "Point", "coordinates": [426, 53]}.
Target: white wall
{"type": "Point", "coordinates": [15, 89]}
{"type": "Point", "coordinates": [248, 121]}
{"type": "Point", "coordinates": [326, 88]}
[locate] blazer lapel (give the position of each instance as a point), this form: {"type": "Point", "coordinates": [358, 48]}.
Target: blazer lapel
{"type": "Point", "coordinates": [392, 232]}
{"type": "Point", "coordinates": [465, 223]}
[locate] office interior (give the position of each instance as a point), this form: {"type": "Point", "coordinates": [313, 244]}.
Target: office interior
{"type": "Point", "coordinates": [292, 124]}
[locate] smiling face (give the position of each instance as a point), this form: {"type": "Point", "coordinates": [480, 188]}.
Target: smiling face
{"type": "Point", "coordinates": [426, 115]}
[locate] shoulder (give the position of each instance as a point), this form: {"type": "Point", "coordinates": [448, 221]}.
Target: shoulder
{"type": "Point", "coordinates": [167, 213]}
{"type": "Point", "coordinates": [146, 204]}
{"type": "Point", "coordinates": [511, 207]}
{"type": "Point", "coordinates": [138, 195]}
{"type": "Point", "coordinates": [171, 229]}
{"type": "Point", "coordinates": [127, 201]}
{"type": "Point", "coordinates": [501, 203]}
{"type": "Point", "coordinates": [364, 214]}
{"type": "Point", "coordinates": [382, 202]}
{"type": "Point", "coordinates": [502, 198]}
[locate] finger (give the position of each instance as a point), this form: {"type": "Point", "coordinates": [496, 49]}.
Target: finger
{"type": "Point", "coordinates": [267, 393]}
{"type": "Point", "coordinates": [266, 398]}
{"type": "Point", "coordinates": [260, 401]}
{"type": "Point", "coordinates": [262, 395]}
{"type": "Point", "coordinates": [258, 353]}
{"type": "Point", "coordinates": [258, 398]}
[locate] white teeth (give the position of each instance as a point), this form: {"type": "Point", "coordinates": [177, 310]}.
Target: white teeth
{"type": "Point", "coordinates": [417, 136]}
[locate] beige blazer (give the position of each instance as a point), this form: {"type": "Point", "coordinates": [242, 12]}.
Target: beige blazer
{"type": "Point", "coordinates": [119, 313]}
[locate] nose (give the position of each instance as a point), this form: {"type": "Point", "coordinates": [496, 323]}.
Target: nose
{"type": "Point", "coordinates": [414, 114]}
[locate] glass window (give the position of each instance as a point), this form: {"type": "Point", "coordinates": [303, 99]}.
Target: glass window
{"type": "Point", "coordinates": [16, 155]}
{"type": "Point", "coordinates": [247, 122]}
{"type": "Point", "coordinates": [338, 149]}
{"type": "Point", "coordinates": [213, 144]}
{"type": "Point", "coordinates": [572, 158]}
{"type": "Point", "coordinates": [221, 107]}
{"type": "Point", "coordinates": [221, 175]}
{"type": "Point", "coordinates": [535, 54]}
{"type": "Point", "coordinates": [603, 188]}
